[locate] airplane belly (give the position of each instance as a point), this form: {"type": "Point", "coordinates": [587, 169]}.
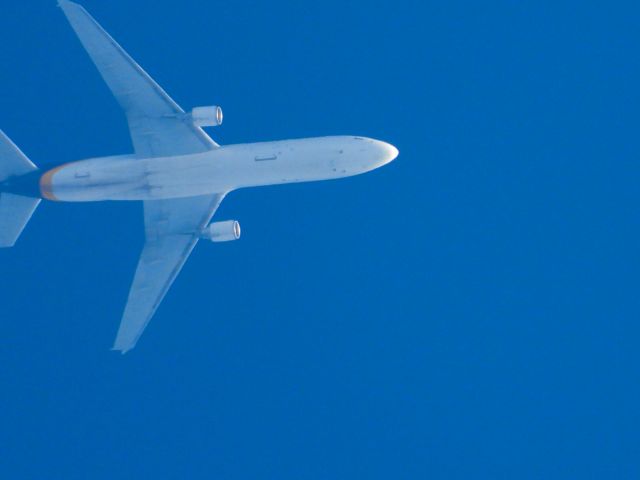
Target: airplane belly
{"type": "Point", "coordinates": [130, 178]}
{"type": "Point", "coordinates": [111, 178]}
{"type": "Point", "coordinates": [187, 176]}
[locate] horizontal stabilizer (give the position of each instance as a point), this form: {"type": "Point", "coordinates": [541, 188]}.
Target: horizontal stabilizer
{"type": "Point", "coordinates": [15, 212]}
{"type": "Point", "coordinates": [12, 161]}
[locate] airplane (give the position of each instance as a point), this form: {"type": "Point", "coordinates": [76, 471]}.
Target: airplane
{"type": "Point", "coordinates": [179, 173]}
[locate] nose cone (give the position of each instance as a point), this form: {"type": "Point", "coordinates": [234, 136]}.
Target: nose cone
{"type": "Point", "coordinates": [384, 152]}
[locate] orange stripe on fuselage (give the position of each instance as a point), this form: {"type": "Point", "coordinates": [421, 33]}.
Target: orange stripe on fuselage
{"type": "Point", "coordinates": [46, 186]}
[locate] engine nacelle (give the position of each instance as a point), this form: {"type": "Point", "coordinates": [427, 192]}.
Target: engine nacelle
{"type": "Point", "coordinates": [207, 116]}
{"type": "Point", "coordinates": [222, 231]}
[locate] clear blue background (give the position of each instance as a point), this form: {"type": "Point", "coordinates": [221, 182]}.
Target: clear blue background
{"type": "Point", "coordinates": [469, 311]}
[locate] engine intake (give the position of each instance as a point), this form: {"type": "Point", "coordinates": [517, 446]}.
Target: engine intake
{"type": "Point", "coordinates": [222, 231]}
{"type": "Point", "coordinates": [207, 116]}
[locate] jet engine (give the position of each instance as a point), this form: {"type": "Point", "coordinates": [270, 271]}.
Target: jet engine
{"type": "Point", "coordinates": [222, 231]}
{"type": "Point", "coordinates": [207, 116]}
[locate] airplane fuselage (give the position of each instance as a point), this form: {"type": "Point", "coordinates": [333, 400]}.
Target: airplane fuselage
{"type": "Point", "coordinates": [224, 169]}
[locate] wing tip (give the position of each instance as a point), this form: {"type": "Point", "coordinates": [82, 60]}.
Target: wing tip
{"type": "Point", "coordinates": [68, 6]}
{"type": "Point", "coordinates": [120, 349]}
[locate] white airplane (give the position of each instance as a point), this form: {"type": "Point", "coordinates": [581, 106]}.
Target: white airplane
{"type": "Point", "coordinates": [177, 170]}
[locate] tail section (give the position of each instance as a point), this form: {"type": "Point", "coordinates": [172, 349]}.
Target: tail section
{"type": "Point", "coordinates": [15, 210]}
{"type": "Point", "coordinates": [13, 162]}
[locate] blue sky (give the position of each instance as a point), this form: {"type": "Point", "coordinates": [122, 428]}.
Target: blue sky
{"type": "Point", "coordinates": [469, 311]}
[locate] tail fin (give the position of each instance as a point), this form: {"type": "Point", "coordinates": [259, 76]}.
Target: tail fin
{"type": "Point", "coordinates": [15, 210]}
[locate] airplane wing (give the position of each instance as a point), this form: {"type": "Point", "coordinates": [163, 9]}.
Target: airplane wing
{"type": "Point", "coordinates": [158, 127]}
{"type": "Point", "coordinates": [156, 123]}
{"type": "Point", "coordinates": [172, 230]}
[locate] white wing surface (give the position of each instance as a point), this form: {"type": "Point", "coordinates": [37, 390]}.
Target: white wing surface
{"type": "Point", "coordinates": [156, 123]}
{"type": "Point", "coordinates": [172, 230]}
{"type": "Point", "coordinates": [159, 128]}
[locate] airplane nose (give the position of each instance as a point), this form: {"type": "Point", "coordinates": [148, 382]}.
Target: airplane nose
{"type": "Point", "coordinates": [385, 152]}
{"type": "Point", "coordinates": [391, 152]}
